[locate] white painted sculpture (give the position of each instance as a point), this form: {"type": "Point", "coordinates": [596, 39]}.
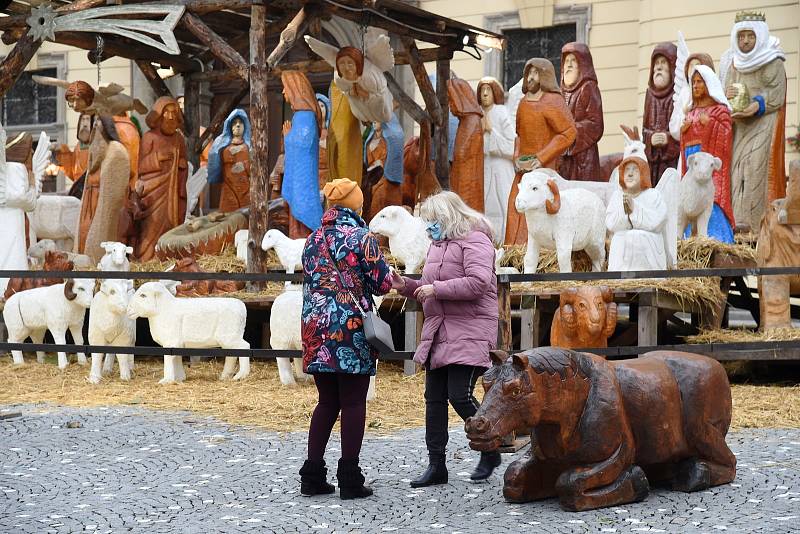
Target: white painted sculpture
{"type": "Point", "coordinates": [640, 220]}
{"type": "Point", "coordinates": [682, 95]}
{"type": "Point", "coordinates": [240, 241]}
{"type": "Point", "coordinates": [192, 323]}
{"type": "Point", "coordinates": [18, 196]}
{"type": "Point", "coordinates": [195, 183]}
{"type": "Point", "coordinates": [37, 252]}
{"type": "Point", "coordinates": [289, 251]}
{"type": "Point", "coordinates": [560, 220]}
{"type": "Point", "coordinates": [499, 253]}
{"type": "Point", "coordinates": [116, 256]}
{"type": "Point", "coordinates": [285, 333]}
{"type": "Point", "coordinates": [56, 217]}
{"type": "Point", "coordinates": [110, 325]}
{"type": "Point", "coordinates": [56, 308]}
{"type": "Point", "coordinates": [697, 193]}
{"type": "Point", "coordinates": [408, 239]}
{"type": "Point", "coordinates": [359, 74]}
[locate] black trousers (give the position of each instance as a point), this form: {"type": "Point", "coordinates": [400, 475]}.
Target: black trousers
{"type": "Point", "coordinates": [455, 383]}
{"type": "Point", "coordinates": [338, 392]}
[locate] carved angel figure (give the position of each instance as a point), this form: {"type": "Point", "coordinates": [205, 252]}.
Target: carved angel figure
{"type": "Point", "coordinates": [359, 75]}
{"type": "Point", "coordinates": [17, 196]}
{"type": "Point", "coordinates": [106, 100]}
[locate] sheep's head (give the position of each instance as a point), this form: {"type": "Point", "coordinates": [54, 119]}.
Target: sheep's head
{"type": "Point", "coordinates": [702, 166]}
{"type": "Point", "coordinates": [390, 221]}
{"type": "Point", "coordinates": [118, 252]}
{"type": "Point", "coordinates": [118, 294]}
{"type": "Point", "coordinates": [588, 312]}
{"type": "Point", "coordinates": [39, 249]}
{"type": "Point", "coordinates": [538, 190]}
{"type": "Point", "coordinates": [146, 300]}
{"type": "Point", "coordinates": [80, 291]}
{"type": "Point", "coordinates": [272, 238]}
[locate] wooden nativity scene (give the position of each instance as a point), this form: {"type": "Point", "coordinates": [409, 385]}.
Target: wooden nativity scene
{"type": "Point", "coordinates": [304, 93]}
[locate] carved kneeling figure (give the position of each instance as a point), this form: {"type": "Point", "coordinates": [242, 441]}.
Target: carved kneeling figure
{"type": "Point", "coordinates": [602, 431]}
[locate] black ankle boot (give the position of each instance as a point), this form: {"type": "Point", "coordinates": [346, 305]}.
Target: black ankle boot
{"type": "Point", "coordinates": [436, 473]}
{"type": "Point", "coordinates": [489, 461]}
{"type": "Point", "coordinates": [351, 481]}
{"type": "Point", "coordinates": [313, 479]}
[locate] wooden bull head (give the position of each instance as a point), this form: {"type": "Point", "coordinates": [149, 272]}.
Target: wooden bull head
{"type": "Point", "coordinates": [586, 318]}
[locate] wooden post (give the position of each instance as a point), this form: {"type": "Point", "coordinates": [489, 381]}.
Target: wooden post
{"type": "Point", "coordinates": [259, 163]}
{"type": "Point", "coordinates": [504, 309]}
{"type": "Point", "coordinates": [191, 115]}
{"type": "Point", "coordinates": [151, 75]}
{"type": "Point", "coordinates": [441, 136]}
{"type": "Point", "coordinates": [647, 319]}
{"type": "Point", "coordinates": [219, 46]}
{"type": "Point", "coordinates": [410, 317]}
{"type": "Point", "coordinates": [15, 62]}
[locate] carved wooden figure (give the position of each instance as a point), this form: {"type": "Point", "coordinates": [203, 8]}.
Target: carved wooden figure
{"type": "Point", "coordinates": [466, 170]}
{"type": "Point", "coordinates": [74, 161]}
{"type": "Point", "coordinates": [545, 130]}
{"type": "Point", "coordinates": [586, 318]}
{"type": "Point", "coordinates": [662, 149]}
{"type": "Point", "coordinates": [229, 162]}
{"type": "Point", "coordinates": [54, 260]}
{"type": "Point", "coordinates": [163, 171]}
{"type": "Point", "coordinates": [419, 180]}
{"type": "Point", "coordinates": [202, 288]}
{"type": "Point", "coordinates": [602, 431]}
{"type": "Point", "coordinates": [579, 86]}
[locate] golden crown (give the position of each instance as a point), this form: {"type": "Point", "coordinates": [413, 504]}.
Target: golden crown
{"type": "Point", "coordinates": [742, 16]}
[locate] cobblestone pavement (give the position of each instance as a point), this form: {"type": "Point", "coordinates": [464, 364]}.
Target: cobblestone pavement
{"type": "Point", "coordinates": [133, 470]}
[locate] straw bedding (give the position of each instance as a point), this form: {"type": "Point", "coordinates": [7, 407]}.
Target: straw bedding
{"type": "Point", "coordinates": [262, 401]}
{"type": "Point", "coordinates": [741, 335]}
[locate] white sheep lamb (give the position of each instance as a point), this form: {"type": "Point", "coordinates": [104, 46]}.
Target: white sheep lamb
{"type": "Point", "coordinates": [116, 256]}
{"type": "Point", "coordinates": [57, 308]}
{"type": "Point", "coordinates": [285, 328]}
{"type": "Point", "coordinates": [109, 325]}
{"type": "Point", "coordinates": [697, 193]}
{"type": "Point", "coordinates": [192, 323]}
{"type": "Point", "coordinates": [408, 239]}
{"type": "Point", "coordinates": [561, 220]}
{"type": "Point", "coordinates": [240, 240]}
{"type": "Point", "coordinates": [290, 251]}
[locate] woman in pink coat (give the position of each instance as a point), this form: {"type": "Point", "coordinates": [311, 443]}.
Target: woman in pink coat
{"type": "Point", "coordinates": [458, 293]}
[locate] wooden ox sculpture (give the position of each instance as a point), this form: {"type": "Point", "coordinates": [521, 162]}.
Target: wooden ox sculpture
{"type": "Point", "coordinates": [602, 429]}
{"type": "Point", "coordinates": [586, 317]}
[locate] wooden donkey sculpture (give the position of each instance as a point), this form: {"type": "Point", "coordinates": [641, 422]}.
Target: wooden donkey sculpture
{"type": "Point", "coordinates": [602, 431]}
{"type": "Point", "coordinates": [586, 318]}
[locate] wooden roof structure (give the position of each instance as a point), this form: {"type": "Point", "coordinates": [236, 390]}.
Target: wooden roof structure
{"type": "Point", "coordinates": [226, 40]}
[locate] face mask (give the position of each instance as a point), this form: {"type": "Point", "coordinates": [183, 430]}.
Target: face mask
{"type": "Point", "coordinates": [435, 231]}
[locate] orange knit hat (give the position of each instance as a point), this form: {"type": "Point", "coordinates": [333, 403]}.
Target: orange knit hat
{"type": "Point", "coordinates": [344, 192]}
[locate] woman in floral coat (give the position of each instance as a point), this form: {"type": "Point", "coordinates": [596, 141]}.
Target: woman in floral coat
{"type": "Point", "coordinates": [335, 350]}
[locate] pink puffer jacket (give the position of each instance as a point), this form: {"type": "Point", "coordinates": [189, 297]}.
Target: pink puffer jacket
{"type": "Point", "coordinates": [461, 322]}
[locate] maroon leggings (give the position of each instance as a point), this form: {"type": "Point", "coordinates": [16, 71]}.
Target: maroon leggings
{"type": "Point", "coordinates": [338, 392]}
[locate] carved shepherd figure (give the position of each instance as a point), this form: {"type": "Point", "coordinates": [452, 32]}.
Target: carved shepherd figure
{"type": "Point", "coordinates": [662, 149]}
{"type": "Point", "coordinates": [603, 429]}
{"type": "Point", "coordinates": [466, 171]}
{"type": "Point", "coordinates": [586, 317]}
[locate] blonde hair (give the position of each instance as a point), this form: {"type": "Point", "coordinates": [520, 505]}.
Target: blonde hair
{"type": "Point", "coordinates": [457, 219]}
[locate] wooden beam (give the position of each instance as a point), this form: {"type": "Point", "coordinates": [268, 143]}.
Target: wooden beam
{"type": "Point", "coordinates": [425, 87]}
{"type": "Point", "coordinates": [259, 151]}
{"type": "Point", "coordinates": [442, 138]}
{"type": "Point", "coordinates": [203, 7]}
{"type": "Point", "coordinates": [405, 101]}
{"type": "Point", "coordinates": [296, 27]}
{"type": "Point", "coordinates": [426, 55]}
{"type": "Point", "coordinates": [80, 5]}
{"type": "Point", "coordinates": [219, 47]}
{"type": "Point", "coordinates": [16, 61]}
{"type": "Point", "coordinates": [151, 74]}
{"type": "Point", "coordinates": [308, 67]}
{"type": "Point", "coordinates": [13, 22]}
{"type": "Point", "coordinates": [223, 110]}
{"type": "Point", "coordinates": [191, 116]}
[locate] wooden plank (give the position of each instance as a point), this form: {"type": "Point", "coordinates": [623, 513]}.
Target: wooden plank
{"type": "Point", "coordinates": [219, 47]}
{"type": "Point", "coordinates": [259, 161]}
{"type": "Point", "coordinates": [406, 102]}
{"type": "Point", "coordinates": [16, 61]}
{"type": "Point", "coordinates": [504, 317]}
{"type": "Point", "coordinates": [756, 355]}
{"type": "Point", "coordinates": [441, 136]}
{"type": "Point", "coordinates": [425, 55]}
{"type": "Point", "coordinates": [528, 328]}
{"type": "Point", "coordinates": [647, 325]}
{"type": "Point", "coordinates": [296, 27]}
{"type": "Point", "coordinates": [429, 95]}
{"type": "Point", "coordinates": [151, 75]}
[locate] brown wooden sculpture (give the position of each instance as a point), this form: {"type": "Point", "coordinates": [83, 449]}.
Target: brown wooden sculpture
{"type": "Point", "coordinates": [419, 180]}
{"type": "Point", "coordinates": [779, 246]}
{"type": "Point", "coordinates": [586, 318]}
{"type": "Point", "coordinates": [74, 161]}
{"type": "Point", "coordinates": [54, 260]}
{"type": "Point", "coordinates": [662, 150]}
{"type": "Point", "coordinates": [466, 171]}
{"type": "Point", "coordinates": [602, 429]}
{"type": "Point", "coordinates": [162, 175]}
{"type": "Point", "coordinates": [202, 288]}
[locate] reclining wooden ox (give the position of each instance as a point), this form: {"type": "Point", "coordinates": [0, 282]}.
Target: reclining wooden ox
{"type": "Point", "coordinates": [586, 317]}
{"type": "Point", "coordinates": [602, 430]}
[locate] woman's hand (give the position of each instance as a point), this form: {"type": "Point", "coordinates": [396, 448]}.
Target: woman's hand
{"type": "Point", "coordinates": [425, 292]}
{"type": "Point", "coordinates": [398, 284]}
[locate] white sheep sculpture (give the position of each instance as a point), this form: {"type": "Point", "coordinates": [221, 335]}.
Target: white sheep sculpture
{"type": "Point", "coordinates": [57, 308]}
{"type": "Point", "coordinates": [697, 193]}
{"type": "Point", "coordinates": [116, 256]}
{"type": "Point", "coordinates": [38, 251]}
{"type": "Point", "coordinates": [561, 220]}
{"type": "Point", "coordinates": [110, 325]}
{"type": "Point", "coordinates": [192, 323]}
{"type": "Point", "coordinates": [285, 326]}
{"type": "Point", "coordinates": [290, 251]}
{"type": "Point", "coordinates": [408, 239]}
{"type": "Point", "coordinates": [499, 254]}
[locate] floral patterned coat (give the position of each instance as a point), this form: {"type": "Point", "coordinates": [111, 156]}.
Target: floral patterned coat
{"type": "Point", "coordinates": [333, 333]}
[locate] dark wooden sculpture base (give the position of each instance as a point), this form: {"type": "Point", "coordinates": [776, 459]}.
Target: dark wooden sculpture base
{"type": "Point", "coordinates": [603, 431]}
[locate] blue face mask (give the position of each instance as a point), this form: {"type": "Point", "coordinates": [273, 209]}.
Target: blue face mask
{"type": "Point", "coordinates": [435, 231]}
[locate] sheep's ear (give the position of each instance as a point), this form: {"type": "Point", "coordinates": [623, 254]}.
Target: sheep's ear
{"type": "Point", "coordinates": [128, 250]}
{"type": "Point", "coordinates": [106, 245]}
{"type": "Point", "coordinates": [171, 285]}
{"type": "Point", "coordinates": [717, 163]}
{"type": "Point", "coordinates": [68, 290]}
{"type": "Point", "coordinates": [690, 160]}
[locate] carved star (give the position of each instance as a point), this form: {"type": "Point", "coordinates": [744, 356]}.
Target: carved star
{"type": "Point", "coordinates": [42, 22]}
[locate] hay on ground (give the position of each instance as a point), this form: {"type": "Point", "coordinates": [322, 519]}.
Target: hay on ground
{"type": "Point", "coordinates": [741, 335]}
